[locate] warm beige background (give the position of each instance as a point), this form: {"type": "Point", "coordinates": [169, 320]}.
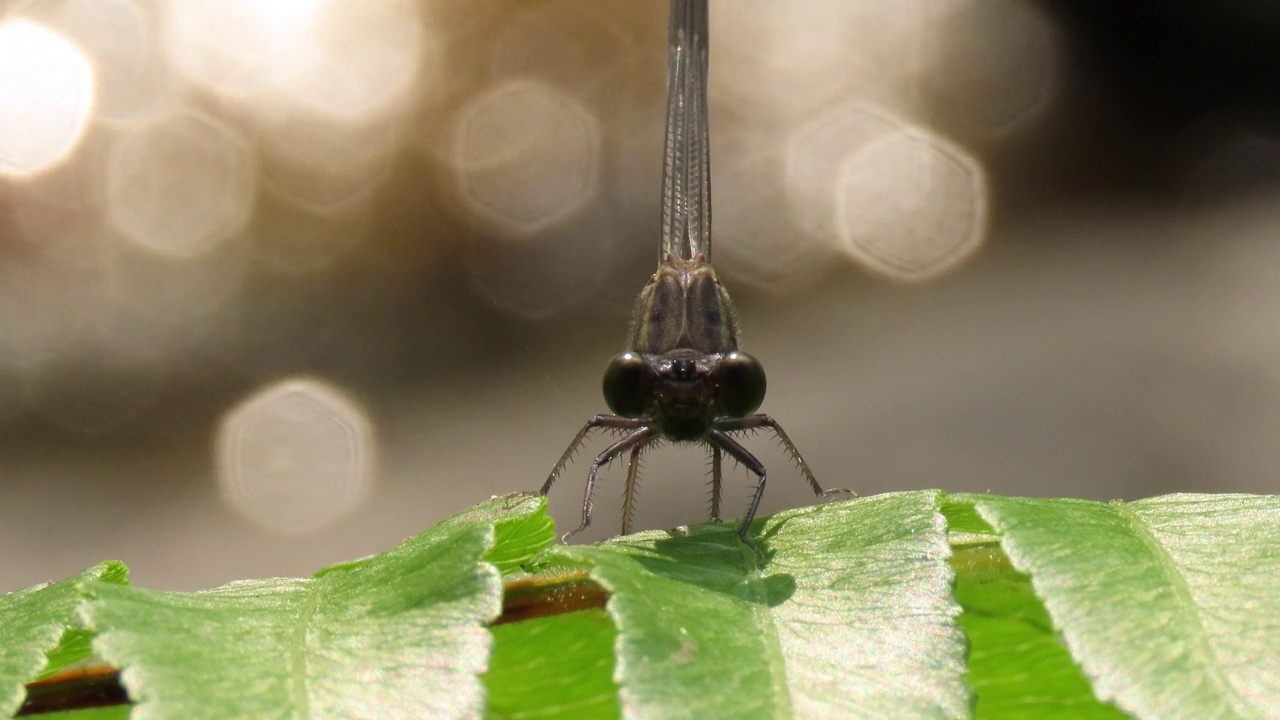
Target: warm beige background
{"type": "Point", "coordinates": [1114, 337]}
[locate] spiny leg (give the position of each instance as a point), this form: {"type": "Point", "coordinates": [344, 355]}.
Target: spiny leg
{"type": "Point", "coordinates": [755, 422]}
{"type": "Point", "coordinates": [742, 455]}
{"type": "Point", "coordinates": [629, 493]}
{"type": "Point", "coordinates": [609, 422]}
{"type": "Point", "coordinates": [634, 440]}
{"type": "Point", "coordinates": [716, 482]}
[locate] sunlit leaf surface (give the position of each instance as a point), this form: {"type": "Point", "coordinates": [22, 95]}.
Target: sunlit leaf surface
{"type": "Point", "coordinates": [851, 616]}
{"type": "Point", "coordinates": [1161, 608]}
{"type": "Point", "coordinates": [1171, 605]}
{"type": "Point", "coordinates": [397, 635]}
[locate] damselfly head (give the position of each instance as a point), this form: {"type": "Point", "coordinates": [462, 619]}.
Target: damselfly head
{"type": "Point", "coordinates": [684, 392]}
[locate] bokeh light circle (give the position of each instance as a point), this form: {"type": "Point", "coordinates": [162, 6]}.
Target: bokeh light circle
{"type": "Point", "coordinates": [237, 48]}
{"type": "Point", "coordinates": [815, 153]}
{"type": "Point", "coordinates": [361, 62]}
{"type": "Point", "coordinates": [47, 91]}
{"type": "Point", "coordinates": [910, 205]}
{"type": "Point", "coordinates": [180, 184]}
{"type": "Point", "coordinates": [527, 156]}
{"type": "Point", "coordinates": [784, 50]}
{"type": "Point", "coordinates": [296, 456]}
{"type": "Point", "coordinates": [346, 61]}
{"type": "Point", "coordinates": [755, 238]}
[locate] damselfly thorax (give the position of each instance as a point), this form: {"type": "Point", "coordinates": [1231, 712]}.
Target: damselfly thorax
{"type": "Point", "coordinates": [682, 367]}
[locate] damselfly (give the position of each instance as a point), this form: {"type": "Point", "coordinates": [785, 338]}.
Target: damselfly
{"type": "Point", "coordinates": [682, 376]}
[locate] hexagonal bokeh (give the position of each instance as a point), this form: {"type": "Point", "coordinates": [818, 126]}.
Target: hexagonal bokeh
{"type": "Point", "coordinates": [296, 456]}
{"type": "Point", "coordinates": [911, 205]}
{"type": "Point", "coordinates": [755, 238]}
{"type": "Point", "coordinates": [180, 184]}
{"type": "Point", "coordinates": [527, 156]}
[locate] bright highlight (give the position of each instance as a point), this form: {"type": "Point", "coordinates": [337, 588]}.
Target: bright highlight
{"type": "Point", "coordinates": [348, 62]}
{"type": "Point", "coordinates": [46, 98]}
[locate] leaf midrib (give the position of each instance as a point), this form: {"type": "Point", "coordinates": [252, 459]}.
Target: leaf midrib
{"type": "Point", "coordinates": [1187, 608]}
{"type": "Point", "coordinates": [300, 687]}
{"type": "Point", "coordinates": [762, 617]}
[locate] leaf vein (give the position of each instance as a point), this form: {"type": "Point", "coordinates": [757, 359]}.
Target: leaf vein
{"type": "Point", "coordinates": [1187, 607]}
{"type": "Point", "coordinates": [298, 651]}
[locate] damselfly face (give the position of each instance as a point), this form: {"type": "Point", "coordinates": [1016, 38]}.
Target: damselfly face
{"type": "Point", "coordinates": [682, 392]}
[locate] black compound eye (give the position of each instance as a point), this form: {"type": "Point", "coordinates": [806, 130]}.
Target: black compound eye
{"type": "Point", "coordinates": [626, 384]}
{"type": "Point", "coordinates": [740, 384]}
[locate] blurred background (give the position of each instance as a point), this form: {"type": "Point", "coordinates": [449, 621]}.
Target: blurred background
{"type": "Point", "coordinates": [282, 283]}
